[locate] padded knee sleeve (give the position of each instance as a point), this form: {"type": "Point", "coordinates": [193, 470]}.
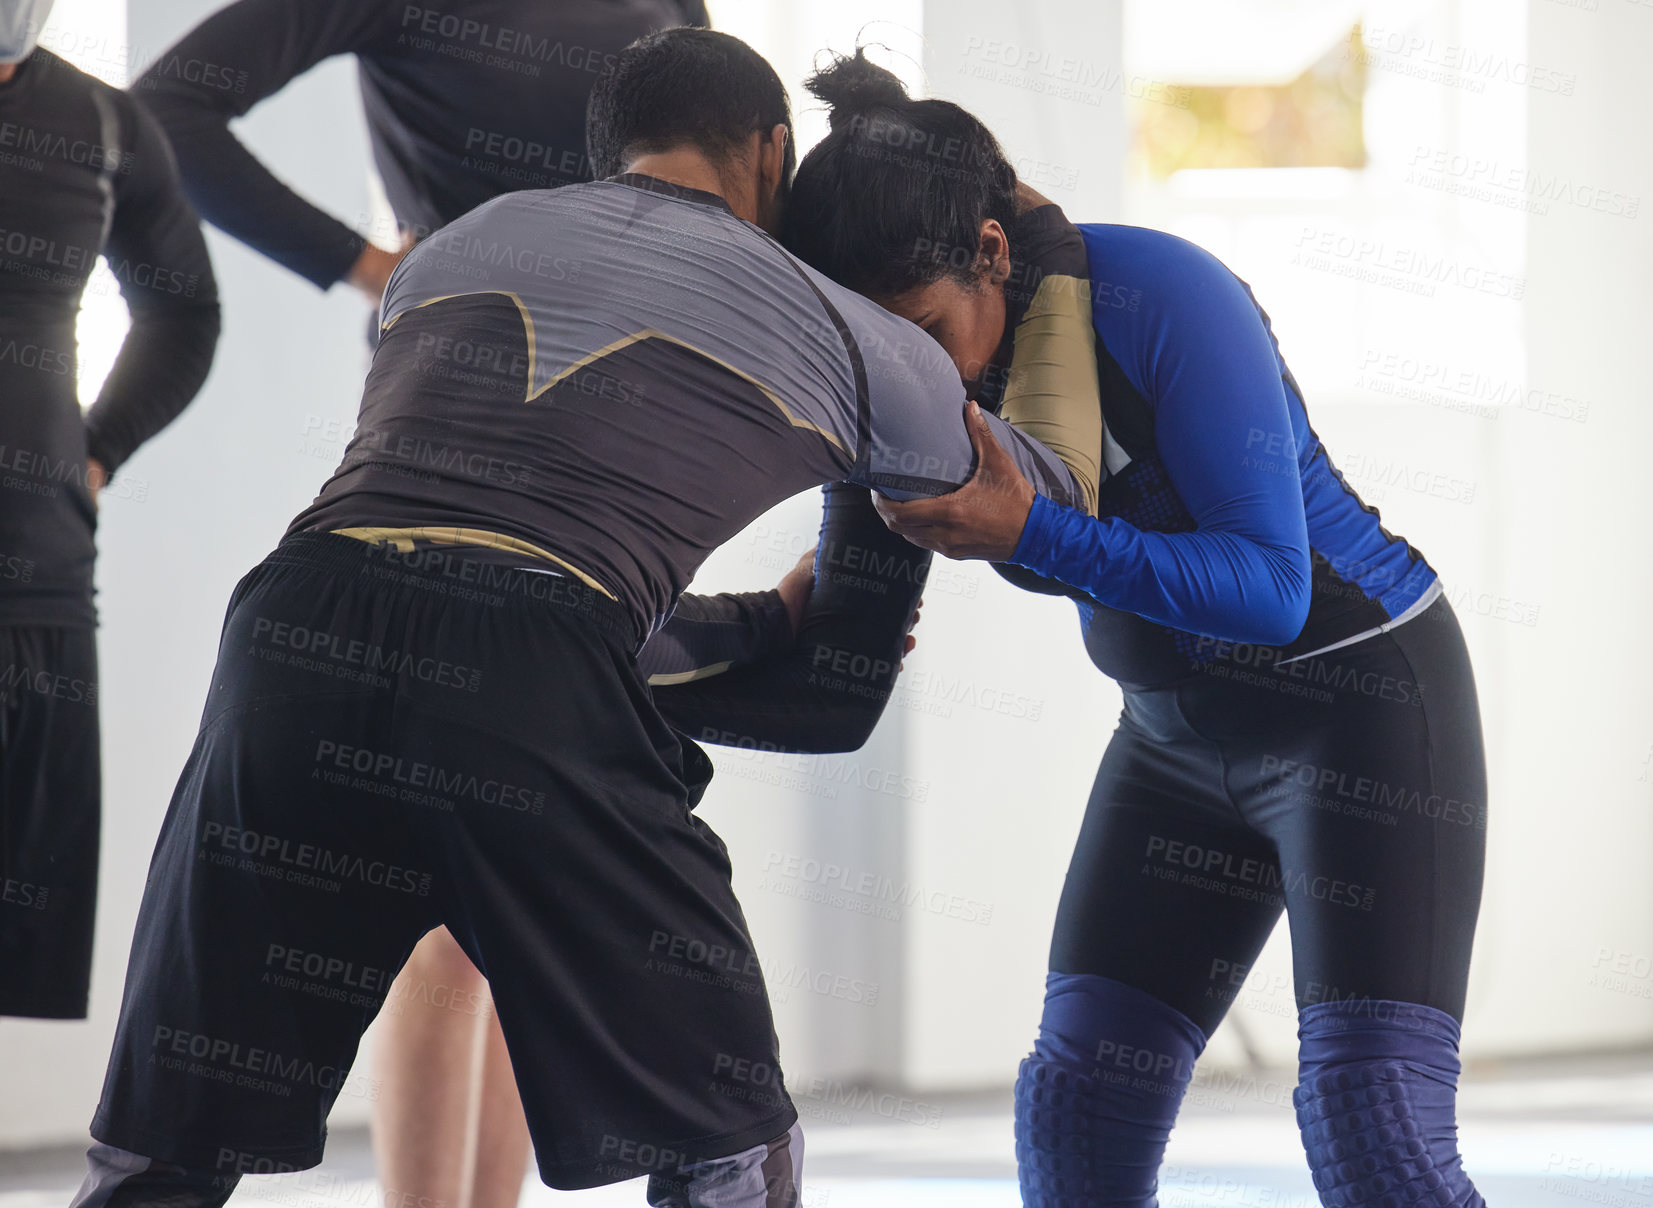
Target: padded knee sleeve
{"type": "Point", "coordinates": [1096, 1100]}
{"type": "Point", "coordinates": [1377, 1088]}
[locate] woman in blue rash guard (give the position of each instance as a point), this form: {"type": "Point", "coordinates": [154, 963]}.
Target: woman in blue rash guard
{"type": "Point", "coordinates": [1300, 729]}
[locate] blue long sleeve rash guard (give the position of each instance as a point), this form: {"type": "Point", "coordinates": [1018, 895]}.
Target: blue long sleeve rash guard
{"type": "Point", "coordinates": [1222, 519]}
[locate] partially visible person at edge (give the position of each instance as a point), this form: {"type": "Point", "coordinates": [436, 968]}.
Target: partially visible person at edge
{"type": "Point", "coordinates": [86, 173]}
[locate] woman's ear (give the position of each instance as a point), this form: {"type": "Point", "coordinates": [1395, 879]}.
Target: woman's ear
{"type": "Point", "coordinates": [994, 256]}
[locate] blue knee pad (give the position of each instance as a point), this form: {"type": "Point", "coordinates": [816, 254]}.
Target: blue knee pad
{"type": "Point", "coordinates": [1377, 1085]}
{"type": "Point", "coordinates": [1096, 1101]}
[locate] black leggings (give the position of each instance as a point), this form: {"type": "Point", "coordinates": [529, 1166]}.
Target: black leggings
{"type": "Point", "coordinates": [1349, 789]}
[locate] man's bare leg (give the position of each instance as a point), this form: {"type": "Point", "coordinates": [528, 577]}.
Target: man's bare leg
{"type": "Point", "coordinates": [503, 1147]}
{"type": "Point", "coordinates": [448, 1127]}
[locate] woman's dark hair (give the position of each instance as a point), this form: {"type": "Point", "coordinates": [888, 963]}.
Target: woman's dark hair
{"type": "Point", "coordinates": [895, 195]}
{"type": "Point", "coordinates": [683, 87]}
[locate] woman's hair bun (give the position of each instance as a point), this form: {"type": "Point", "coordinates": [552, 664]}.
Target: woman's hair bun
{"type": "Point", "coordinates": [854, 84]}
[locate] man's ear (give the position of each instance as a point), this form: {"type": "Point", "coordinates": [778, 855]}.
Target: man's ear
{"type": "Point", "coordinates": [772, 159]}
{"type": "Point", "coordinates": [994, 256]}
{"type": "Point", "coordinates": [771, 176]}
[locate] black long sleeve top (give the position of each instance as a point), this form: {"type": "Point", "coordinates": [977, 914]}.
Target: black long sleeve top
{"type": "Point", "coordinates": [84, 172]}
{"type": "Point", "coordinates": [465, 100]}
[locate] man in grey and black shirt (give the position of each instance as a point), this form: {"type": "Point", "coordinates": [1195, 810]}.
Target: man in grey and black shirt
{"type": "Point", "coordinates": [580, 393]}
{"type": "Point", "coordinates": [464, 100]}
{"type": "Point", "coordinates": [615, 378]}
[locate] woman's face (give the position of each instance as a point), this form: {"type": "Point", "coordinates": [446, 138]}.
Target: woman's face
{"type": "Point", "coordinates": [966, 317]}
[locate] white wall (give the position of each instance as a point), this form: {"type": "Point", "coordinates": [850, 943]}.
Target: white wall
{"type": "Point", "coordinates": [1526, 508]}
{"type": "Point", "coordinates": [1569, 957]}
{"type": "Point", "coordinates": [995, 733]}
{"type": "Point", "coordinates": [1531, 531]}
{"type": "Point", "coordinates": [1007, 717]}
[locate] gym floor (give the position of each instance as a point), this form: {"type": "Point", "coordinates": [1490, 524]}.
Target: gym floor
{"type": "Point", "coordinates": [1537, 1134]}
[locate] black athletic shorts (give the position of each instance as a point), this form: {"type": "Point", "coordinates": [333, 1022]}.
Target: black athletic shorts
{"type": "Point", "coordinates": [396, 741]}
{"type": "Point", "coordinates": [49, 806]}
{"type": "Point", "coordinates": [1347, 791]}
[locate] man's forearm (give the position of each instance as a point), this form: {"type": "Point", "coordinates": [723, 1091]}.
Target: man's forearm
{"type": "Point", "coordinates": [261, 45]}
{"type": "Point", "coordinates": [828, 690]}
{"type": "Point", "coordinates": [708, 635]}
{"type": "Point", "coordinates": [160, 367]}
{"type": "Point", "coordinates": [235, 193]}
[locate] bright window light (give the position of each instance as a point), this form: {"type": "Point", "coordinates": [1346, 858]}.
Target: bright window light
{"type": "Point", "coordinates": [91, 34]}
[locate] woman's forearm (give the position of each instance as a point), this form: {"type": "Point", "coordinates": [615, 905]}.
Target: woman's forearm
{"type": "Point", "coordinates": [1218, 583]}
